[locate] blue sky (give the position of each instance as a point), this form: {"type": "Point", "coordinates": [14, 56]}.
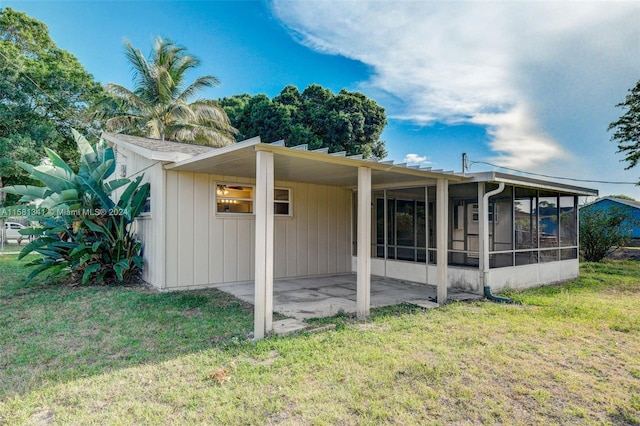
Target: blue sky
{"type": "Point", "coordinates": [528, 85]}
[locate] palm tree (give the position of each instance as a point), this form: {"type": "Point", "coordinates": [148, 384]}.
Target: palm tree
{"type": "Point", "coordinates": [159, 106]}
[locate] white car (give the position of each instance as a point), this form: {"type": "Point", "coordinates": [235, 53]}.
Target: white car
{"type": "Point", "coordinates": [12, 233]}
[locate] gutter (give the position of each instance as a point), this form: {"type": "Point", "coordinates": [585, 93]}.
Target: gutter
{"type": "Point", "coordinates": [485, 246]}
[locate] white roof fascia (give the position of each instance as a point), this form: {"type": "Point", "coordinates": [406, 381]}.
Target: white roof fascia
{"type": "Point", "coordinates": [531, 182]}
{"type": "Point", "coordinates": [215, 153]}
{"type": "Point", "coordinates": [355, 162]}
{"type": "Point", "coordinates": [147, 153]}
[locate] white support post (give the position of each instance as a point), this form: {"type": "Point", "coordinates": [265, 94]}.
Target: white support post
{"type": "Point", "coordinates": [263, 209]}
{"type": "Point", "coordinates": [426, 234]}
{"type": "Point", "coordinates": [363, 293]}
{"type": "Point", "coordinates": [442, 227]}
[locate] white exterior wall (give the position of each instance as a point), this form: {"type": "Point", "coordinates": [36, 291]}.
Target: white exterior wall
{"type": "Point", "coordinates": [399, 270]}
{"type": "Point", "coordinates": [457, 277]}
{"type": "Point", "coordinates": [464, 278]}
{"type": "Point", "coordinates": [203, 248]}
{"type": "Point", "coordinates": [515, 277]}
{"type": "Point", "coordinates": [526, 276]}
{"type": "Point", "coordinates": [149, 227]}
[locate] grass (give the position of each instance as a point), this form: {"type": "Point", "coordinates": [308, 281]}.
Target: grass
{"type": "Point", "coordinates": [12, 247]}
{"type": "Point", "coordinates": [52, 334]}
{"type": "Point", "coordinates": [565, 355]}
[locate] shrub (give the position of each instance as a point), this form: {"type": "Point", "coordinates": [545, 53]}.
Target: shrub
{"type": "Point", "coordinates": [603, 231]}
{"type": "Point", "coordinates": [83, 234]}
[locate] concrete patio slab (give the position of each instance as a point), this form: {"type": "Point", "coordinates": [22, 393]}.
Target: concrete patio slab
{"type": "Point", "coordinates": [288, 326]}
{"type": "Point", "coordinates": [327, 307]}
{"type": "Point", "coordinates": [337, 291]}
{"type": "Point", "coordinates": [315, 297]}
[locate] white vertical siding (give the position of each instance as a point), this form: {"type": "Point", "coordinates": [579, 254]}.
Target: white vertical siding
{"type": "Point", "coordinates": [290, 246]}
{"type": "Point", "coordinates": [201, 224]}
{"type": "Point", "coordinates": [148, 228]}
{"type": "Point", "coordinates": [215, 234]}
{"type": "Point", "coordinates": [343, 227]}
{"type": "Point", "coordinates": [186, 206]}
{"type": "Point", "coordinates": [171, 231]}
{"type": "Point", "coordinates": [333, 232]}
{"type": "Point", "coordinates": [301, 207]}
{"type": "Point", "coordinates": [322, 222]}
{"type": "Point", "coordinates": [203, 248]}
{"type": "Point", "coordinates": [312, 227]}
{"type": "Point", "coordinates": [280, 248]}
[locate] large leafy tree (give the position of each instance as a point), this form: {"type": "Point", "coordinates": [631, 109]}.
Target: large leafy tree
{"type": "Point", "coordinates": [44, 92]}
{"type": "Point", "coordinates": [160, 105]}
{"type": "Point", "coordinates": [348, 121]}
{"type": "Point", "coordinates": [627, 127]}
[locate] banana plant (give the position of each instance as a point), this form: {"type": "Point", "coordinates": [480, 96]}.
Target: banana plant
{"type": "Point", "coordinates": [84, 231]}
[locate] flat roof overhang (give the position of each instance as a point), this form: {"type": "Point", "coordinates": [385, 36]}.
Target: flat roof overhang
{"type": "Point", "coordinates": [300, 165]}
{"type": "Point", "coordinates": [497, 177]}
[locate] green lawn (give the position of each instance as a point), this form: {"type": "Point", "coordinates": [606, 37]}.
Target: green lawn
{"type": "Point", "coordinates": [565, 355]}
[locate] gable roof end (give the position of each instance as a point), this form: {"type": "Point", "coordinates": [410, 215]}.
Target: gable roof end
{"type": "Point", "coordinates": [155, 149]}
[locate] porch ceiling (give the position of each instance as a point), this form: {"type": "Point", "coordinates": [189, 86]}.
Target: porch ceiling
{"type": "Point", "coordinates": [298, 165]}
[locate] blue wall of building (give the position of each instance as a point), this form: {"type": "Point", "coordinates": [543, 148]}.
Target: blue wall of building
{"type": "Point", "coordinates": [633, 213]}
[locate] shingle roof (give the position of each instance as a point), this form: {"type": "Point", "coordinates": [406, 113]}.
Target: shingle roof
{"type": "Point", "coordinates": [162, 146]}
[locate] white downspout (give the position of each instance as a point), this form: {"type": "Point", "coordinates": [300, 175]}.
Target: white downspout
{"type": "Point", "coordinates": [485, 233]}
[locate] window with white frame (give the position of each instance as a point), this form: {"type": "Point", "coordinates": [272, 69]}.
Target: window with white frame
{"type": "Point", "coordinates": [232, 198]}
{"type": "Point", "coordinates": [238, 199]}
{"type": "Point", "coordinates": [282, 202]}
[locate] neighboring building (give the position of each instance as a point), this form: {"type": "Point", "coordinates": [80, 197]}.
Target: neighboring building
{"type": "Point", "coordinates": [256, 211]}
{"type": "Point", "coordinates": [629, 208]}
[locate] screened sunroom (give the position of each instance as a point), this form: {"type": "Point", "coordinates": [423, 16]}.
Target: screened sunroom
{"type": "Point", "coordinates": [529, 235]}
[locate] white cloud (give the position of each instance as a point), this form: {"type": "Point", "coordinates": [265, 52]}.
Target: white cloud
{"type": "Point", "coordinates": [495, 64]}
{"type": "Point", "coordinates": [415, 159]}
{"type": "Point", "coordinates": [517, 139]}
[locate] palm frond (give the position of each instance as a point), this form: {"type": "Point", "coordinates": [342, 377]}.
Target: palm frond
{"type": "Point", "coordinates": [131, 124]}
{"type": "Point", "coordinates": [126, 96]}
{"type": "Point", "coordinates": [139, 65]}
{"type": "Point", "coordinates": [199, 84]}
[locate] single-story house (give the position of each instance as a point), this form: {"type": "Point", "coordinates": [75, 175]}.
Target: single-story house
{"type": "Point", "coordinates": [629, 208]}
{"type": "Point", "coordinates": [258, 211]}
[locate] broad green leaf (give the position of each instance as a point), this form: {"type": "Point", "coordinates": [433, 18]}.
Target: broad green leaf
{"type": "Point", "coordinates": [88, 155]}
{"type": "Point", "coordinates": [93, 226]}
{"type": "Point", "coordinates": [39, 269]}
{"type": "Point", "coordinates": [34, 245]}
{"type": "Point", "coordinates": [51, 254]}
{"type": "Point", "coordinates": [105, 201]}
{"type": "Point", "coordinates": [32, 231]}
{"type": "Point", "coordinates": [78, 250]}
{"type": "Point", "coordinates": [138, 261]}
{"type": "Point", "coordinates": [125, 198]}
{"type": "Point", "coordinates": [54, 181]}
{"type": "Point", "coordinates": [27, 190]}
{"type": "Point", "coordinates": [90, 269]}
{"type": "Point", "coordinates": [60, 199]}
{"type": "Point", "coordinates": [99, 174]}
{"type": "Point", "coordinates": [114, 184]}
{"type": "Point", "coordinates": [140, 200]}
{"type": "Point", "coordinates": [57, 161]}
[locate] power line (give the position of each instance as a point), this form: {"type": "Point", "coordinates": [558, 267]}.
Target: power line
{"type": "Point", "coordinates": [553, 177]}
